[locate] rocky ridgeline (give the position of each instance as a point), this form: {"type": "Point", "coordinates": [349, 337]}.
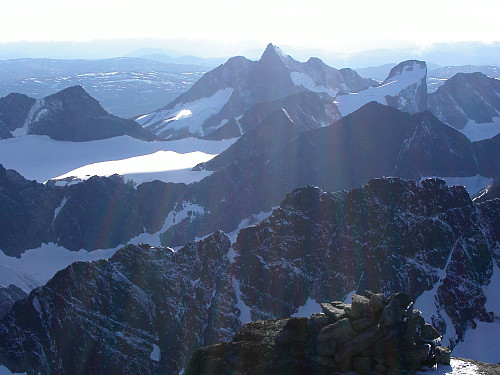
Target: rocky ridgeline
{"type": "Point", "coordinates": [373, 335]}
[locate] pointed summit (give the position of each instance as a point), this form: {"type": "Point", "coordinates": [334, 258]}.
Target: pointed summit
{"type": "Point", "coordinates": [273, 54]}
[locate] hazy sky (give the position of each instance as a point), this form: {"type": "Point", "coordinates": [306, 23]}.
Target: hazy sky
{"type": "Point", "coordinates": [336, 25]}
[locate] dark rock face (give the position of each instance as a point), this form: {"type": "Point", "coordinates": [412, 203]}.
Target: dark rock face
{"type": "Point", "coordinates": [488, 156]}
{"type": "Point", "coordinates": [308, 110]}
{"type": "Point", "coordinates": [464, 97]}
{"type": "Point", "coordinates": [286, 346]}
{"type": "Point", "coordinates": [4, 131]}
{"type": "Point", "coordinates": [107, 316]}
{"type": "Point", "coordinates": [101, 212]}
{"type": "Point", "coordinates": [9, 295]}
{"type": "Point", "coordinates": [26, 212]}
{"type": "Point", "coordinates": [271, 136]}
{"type": "Point", "coordinates": [388, 236]}
{"type": "Point", "coordinates": [98, 214]}
{"type": "Point", "coordinates": [14, 109]}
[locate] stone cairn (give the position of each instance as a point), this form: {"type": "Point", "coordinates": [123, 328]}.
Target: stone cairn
{"type": "Point", "coordinates": [373, 335]}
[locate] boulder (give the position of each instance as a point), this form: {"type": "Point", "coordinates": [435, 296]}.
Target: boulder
{"type": "Point", "coordinates": [391, 315]}
{"type": "Point", "coordinates": [333, 310]}
{"type": "Point", "coordinates": [377, 302]}
{"type": "Point", "coordinates": [429, 332]}
{"type": "Point", "coordinates": [443, 355]}
{"type": "Point", "coordinates": [340, 331]}
{"type": "Point", "coordinates": [361, 304]}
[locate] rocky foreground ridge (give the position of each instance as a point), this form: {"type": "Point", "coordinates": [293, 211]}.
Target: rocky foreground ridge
{"type": "Point", "coordinates": [147, 309]}
{"type": "Point", "coordinates": [372, 335]}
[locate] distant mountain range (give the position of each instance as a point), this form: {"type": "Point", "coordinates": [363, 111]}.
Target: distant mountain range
{"type": "Point", "coordinates": [124, 86]}
{"type": "Point", "coordinates": [227, 92]}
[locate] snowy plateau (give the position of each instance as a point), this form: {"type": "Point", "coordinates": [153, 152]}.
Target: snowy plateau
{"type": "Point", "coordinates": [41, 158]}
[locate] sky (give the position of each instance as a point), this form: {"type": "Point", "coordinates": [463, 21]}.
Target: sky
{"type": "Point", "coordinates": [332, 25]}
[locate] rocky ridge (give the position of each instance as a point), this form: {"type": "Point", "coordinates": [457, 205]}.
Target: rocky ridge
{"type": "Point", "coordinates": [372, 335]}
{"type": "Point", "coordinates": [389, 236]}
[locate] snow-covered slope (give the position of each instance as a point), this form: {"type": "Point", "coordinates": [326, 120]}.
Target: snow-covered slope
{"type": "Point", "coordinates": [405, 88]}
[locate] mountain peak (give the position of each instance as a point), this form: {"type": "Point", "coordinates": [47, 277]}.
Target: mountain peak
{"type": "Point", "coordinates": [274, 54]}
{"type": "Point", "coordinates": [414, 67]}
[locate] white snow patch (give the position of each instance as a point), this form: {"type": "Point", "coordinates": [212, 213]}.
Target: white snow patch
{"type": "Point", "coordinates": [231, 254]}
{"type": "Point", "coordinates": [348, 298]}
{"type": "Point", "coordinates": [481, 343]}
{"type": "Point", "coordinates": [43, 158]}
{"type": "Point", "coordinates": [188, 210]}
{"type": "Point", "coordinates": [168, 166]}
{"type": "Point", "coordinates": [245, 311]}
{"type": "Point", "coordinates": [249, 221]}
{"type": "Point", "coordinates": [36, 305]}
{"type": "Point", "coordinates": [306, 81]}
{"type": "Point", "coordinates": [37, 266]}
{"type": "Point", "coordinates": [33, 115]}
{"type": "Point", "coordinates": [58, 209]}
{"type": "Point", "coordinates": [456, 367]}
{"type": "Point", "coordinates": [491, 292]}
{"type": "Point", "coordinates": [472, 184]}
{"type": "Point", "coordinates": [310, 307]}
{"type": "Point", "coordinates": [428, 305]}
{"type": "Point", "coordinates": [155, 354]}
{"type": "Point", "coordinates": [353, 101]}
{"type": "Point", "coordinates": [479, 131]}
{"type": "Point", "coordinates": [5, 371]}
{"type": "Point", "coordinates": [190, 115]}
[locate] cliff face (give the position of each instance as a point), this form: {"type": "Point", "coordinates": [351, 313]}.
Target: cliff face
{"type": "Point", "coordinates": [147, 309]}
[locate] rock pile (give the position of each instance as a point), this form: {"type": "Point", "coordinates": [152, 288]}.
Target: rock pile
{"type": "Point", "coordinates": [372, 335]}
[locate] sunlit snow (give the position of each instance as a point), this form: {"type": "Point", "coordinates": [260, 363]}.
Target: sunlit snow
{"type": "Point", "coordinates": [306, 81]}
{"type": "Point", "coordinates": [310, 307]}
{"type": "Point", "coordinates": [42, 158]}
{"type": "Point", "coordinates": [191, 115]}
{"type": "Point", "coordinates": [456, 367]}
{"type": "Point", "coordinates": [37, 266]}
{"type": "Point", "coordinates": [353, 101]}
{"type": "Point", "coordinates": [483, 342]}
{"type": "Point", "coordinates": [162, 165]}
